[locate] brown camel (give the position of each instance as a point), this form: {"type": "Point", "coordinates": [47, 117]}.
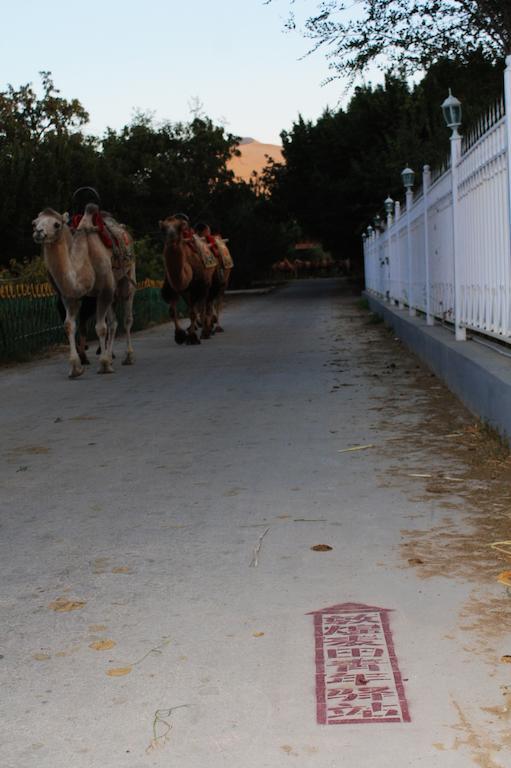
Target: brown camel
{"type": "Point", "coordinates": [225, 268]}
{"type": "Point", "coordinates": [284, 268]}
{"type": "Point", "coordinates": [217, 246]}
{"type": "Point", "coordinates": [188, 273]}
{"type": "Point", "coordinates": [80, 265]}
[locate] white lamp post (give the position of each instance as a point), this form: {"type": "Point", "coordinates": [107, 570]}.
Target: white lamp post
{"type": "Point", "coordinates": [408, 177]}
{"type": "Point", "coordinates": [451, 109]}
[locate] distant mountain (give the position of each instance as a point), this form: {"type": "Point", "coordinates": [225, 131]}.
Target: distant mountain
{"type": "Point", "coordinates": [253, 158]}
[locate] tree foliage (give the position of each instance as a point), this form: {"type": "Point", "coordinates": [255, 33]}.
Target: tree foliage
{"type": "Point", "coordinates": [408, 35]}
{"type": "Point", "coordinates": [41, 146]}
{"type": "Point", "coordinates": [143, 172]}
{"type": "Point", "coordinates": [340, 168]}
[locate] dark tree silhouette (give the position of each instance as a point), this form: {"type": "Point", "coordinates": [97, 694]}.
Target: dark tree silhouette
{"type": "Point", "coordinates": [409, 35]}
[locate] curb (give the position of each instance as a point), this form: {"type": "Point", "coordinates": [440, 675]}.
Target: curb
{"type": "Point", "coordinates": [477, 374]}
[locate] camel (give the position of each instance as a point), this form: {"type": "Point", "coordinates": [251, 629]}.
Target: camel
{"type": "Point", "coordinates": [284, 268]}
{"type": "Point", "coordinates": [299, 267]}
{"type": "Point", "coordinates": [124, 269]}
{"type": "Point", "coordinates": [217, 245]}
{"type": "Point", "coordinates": [81, 265]}
{"type": "Point", "coordinates": [225, 268]}
{"type": "Point", "coordinates": [188, 273]}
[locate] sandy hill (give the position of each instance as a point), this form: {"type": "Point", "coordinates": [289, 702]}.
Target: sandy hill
{"type": "Point", "coordinates": [253, 158]}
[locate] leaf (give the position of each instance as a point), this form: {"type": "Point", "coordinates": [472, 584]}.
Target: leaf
{"type": "Point", "coordinates": [62, 605]}
{"type": "Point", "coordinates": [102, 645]}
{"type": "Point", "coordinates": [119, 671]}
{"type": "Point", "coordinates": [505, 578]}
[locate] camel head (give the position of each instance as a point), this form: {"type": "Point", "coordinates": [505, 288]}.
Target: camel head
{"type": "Point", "coordinates": [174, 226]}
{"type": "Point", "coordinates": [49, 226]}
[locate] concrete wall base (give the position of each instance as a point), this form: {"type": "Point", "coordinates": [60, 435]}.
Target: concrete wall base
{"type": "Point", "coordinates": [480, 377]}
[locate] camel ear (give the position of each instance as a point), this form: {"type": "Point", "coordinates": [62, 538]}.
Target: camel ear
{"type": "Point", "coordinates": [65, 218]}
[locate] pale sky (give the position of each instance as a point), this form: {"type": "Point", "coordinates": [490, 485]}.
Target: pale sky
{"type": "Point", "coordinates": [116, 56]}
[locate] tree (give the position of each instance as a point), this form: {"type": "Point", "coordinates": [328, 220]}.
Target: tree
{"type": "Point", "coordinates": [42, 154]}
{"type": "Point", "coordinates": [340, 169]}
{"type": "Point", "coordinates": [409, 35]}
{"type": "Point", "coordinates": [143, 172]}
{"type": "Point", "coordinates": [148, 171]}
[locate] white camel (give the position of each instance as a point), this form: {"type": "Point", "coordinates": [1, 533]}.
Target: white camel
{"type": "Point", "coordinates": [81, 265]}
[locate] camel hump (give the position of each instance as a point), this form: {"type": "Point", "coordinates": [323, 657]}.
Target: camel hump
{"type": "Point", "coordinates": [123, 255]}
{"type": "Point", "coordinates": [224, 252]}
{"type": "Point", "coordinates": [91, 209]}
{"type": "Point", "coordinates": [204, 251]}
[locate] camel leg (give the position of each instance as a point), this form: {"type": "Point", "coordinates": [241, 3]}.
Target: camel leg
{"type": "Point", "coordinates": [128, 322]}
{"type": "Point", "coordinates": [180, 335]}
{"type": "Point", "coordinates": [72, 307]}
{"type": "Point", "coordinates": [216, 318]}
{"type": "Point", "coordinates": [82, 347]}
{"type": "Point", "coordinates": [111, 321]}
{"type": "Point", "coordinates": [82, 340]}
{"type": "Point", "coordinates": [220, 302]}
{"type": "Point", "coordinates": [207, 320]}
{"type": "Point", "coordinates": [105, 360]}
{"type": "Point", "coordinates": [191, 334]}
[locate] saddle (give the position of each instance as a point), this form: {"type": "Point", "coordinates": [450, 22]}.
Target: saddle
{"type": "Point", "coordinates": [224, 253]}
{"type": "Point", "coordinates": [202, 249]}
{"type": "Point", "coordinates": [115, 237]}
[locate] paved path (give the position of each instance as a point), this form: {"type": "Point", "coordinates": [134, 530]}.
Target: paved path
{"type": "Point", "coordinates": [140, 500]}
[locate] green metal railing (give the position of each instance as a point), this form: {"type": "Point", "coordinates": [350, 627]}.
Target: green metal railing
{"type": "Point", "coordinates": [29, 324]}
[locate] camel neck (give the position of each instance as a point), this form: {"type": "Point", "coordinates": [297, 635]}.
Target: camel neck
{"type": "Point", "coordinates": [175, 263]}
{"type": "Point", "coordinates": [68, 264]}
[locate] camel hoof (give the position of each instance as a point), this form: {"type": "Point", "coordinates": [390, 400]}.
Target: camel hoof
{"type": "Point", "coordinates": [180, 336]}
{"type": "Point", "coordinates": [76, 372]}
{"type": "Point", "coordinates": [219, 329]}
{"type": "Point", "coordinates": [84, 359]}
{"type": "Point", "coordinates": [192, 340]}
{"type": "Point", "coordinates": [98, 352]}
{"type": "Point", "coordinates": [129, 359]}
{"type": "Point", "coordinates": [106, 368]}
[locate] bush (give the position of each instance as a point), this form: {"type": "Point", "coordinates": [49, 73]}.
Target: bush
{"type": "Point", "coordinates": [28, 271]}
{"type": "Point", "coordinates": [149, 259]}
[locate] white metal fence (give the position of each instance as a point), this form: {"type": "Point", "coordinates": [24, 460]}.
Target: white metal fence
{"type": "Point", "coordinates": [447, 253]}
